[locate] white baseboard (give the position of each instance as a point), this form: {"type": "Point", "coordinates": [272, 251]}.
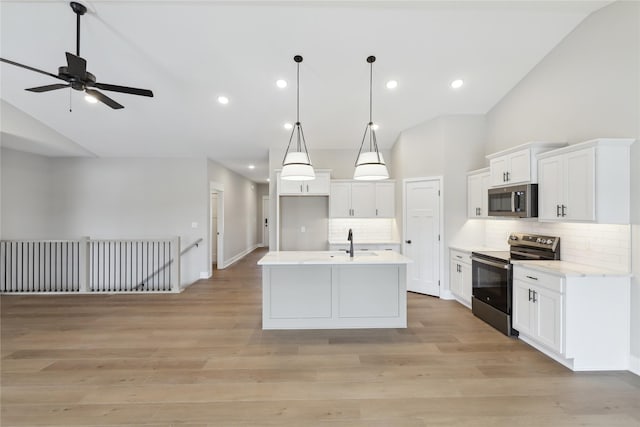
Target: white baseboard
{"type": "Point", "coordinates": [205, 275]}
{"type": "Point", "coordinates": [238, 257]}
{"type": "Point", "coordinates": [446, 294]}
{"type": "Point", "coordinates": [634, 364]}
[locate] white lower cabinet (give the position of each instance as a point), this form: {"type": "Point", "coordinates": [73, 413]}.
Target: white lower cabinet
{"type": "Point", "coordinates": [460, 276]}
{"type": "Point", "coordinates": [579, 319]}
{"type": "Point", "coordinates": [537, 313]}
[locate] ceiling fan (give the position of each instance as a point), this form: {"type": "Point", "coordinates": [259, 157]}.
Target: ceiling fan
{"type": "Point", "coordinates": [75, 73]}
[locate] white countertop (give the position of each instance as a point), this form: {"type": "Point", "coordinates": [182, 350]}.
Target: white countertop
{"type": "Point", "coordinates": [570, 269]}
{"type": "Point", "coordinates": [360, 242]}
{"type": "Point", "coordinates": [333, 257]}
{"type": "Point", "coordinates": [464, 248]}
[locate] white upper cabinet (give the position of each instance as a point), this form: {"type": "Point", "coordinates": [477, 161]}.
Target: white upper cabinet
{"type": "Point", "coordinates": [587, 182]}
{"type": "Point", "coordinates": [477, 193]}
{"type": "Point", "coordinates": [314, 187]}
{"type": "Point", "coordinates": [357, 199]}
{"type": "Point", "coordinates": [517, 165]}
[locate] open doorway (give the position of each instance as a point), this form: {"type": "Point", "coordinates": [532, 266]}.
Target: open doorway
{"type": "Point", "coordinates": [216, 226]}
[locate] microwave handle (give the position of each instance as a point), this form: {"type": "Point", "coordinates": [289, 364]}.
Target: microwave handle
{"type": "Point", "coordinates": [513, 201]}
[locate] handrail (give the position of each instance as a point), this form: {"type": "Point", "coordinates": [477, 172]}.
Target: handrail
{"type": "Point", "coordinates": [168, 263]}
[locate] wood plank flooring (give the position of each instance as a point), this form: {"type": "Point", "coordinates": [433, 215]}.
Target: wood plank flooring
{"type": "Point", "coordinates": [200, 358]}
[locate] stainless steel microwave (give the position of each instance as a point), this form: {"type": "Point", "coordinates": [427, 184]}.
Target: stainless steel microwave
{"type": "Point", "coordinates": [519, 201]}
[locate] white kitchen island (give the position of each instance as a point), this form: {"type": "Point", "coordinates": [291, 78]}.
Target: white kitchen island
{"type": "Point", "coordinates": [330, 290]}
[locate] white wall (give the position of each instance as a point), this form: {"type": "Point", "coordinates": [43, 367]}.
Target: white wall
{"type": "Point", "coordinates": [240, 211]}
{"type": "Point", "coordinates": [44, 197]}
{"type": "Point", "coordinates": [448, 146]}
{"type": "Point", "coordinates": [25, 195]}
{"type": "Point", "coordinates": [587, 87]}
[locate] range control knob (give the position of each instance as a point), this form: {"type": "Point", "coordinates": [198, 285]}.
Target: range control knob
{"type": "Point", "coordinates": [539, 240]}
{"type": "Point", "coordinates": [549, 242]}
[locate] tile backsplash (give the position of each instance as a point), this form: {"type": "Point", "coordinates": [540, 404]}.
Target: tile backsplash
{"type": "Point", "coordinates": [364, 229]}
{"type": "Point", "coordinates": [601, 245]}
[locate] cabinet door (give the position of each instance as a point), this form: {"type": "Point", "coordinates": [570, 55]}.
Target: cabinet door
{"type": "Point", "coordinates": [522, 312]}
{"type": "Point", "coordinates": [363, 199]}
{"type": "Point", "coordinates": [289, 187]}
{"type": "Point", "coordinates": [318, 186]}
{"type": "Point", "coordinates": [580, 185]}
{"type": "Point", "coordinates": [548, 318]}
{"type": "Point", "coordinates": [519, 167]}
{"type": "Point", "coordinates": [474, 199]}
{"type": "Point", "coordinates": [498, 169]}
{"type": "Point", "coordinates": [454, 278]}
{"type": "Point", "coordinates": [340, 200]}
{"type": "Point", "coordinates": [385, 200]}
{"type": "Point", "coordinates": [550, 188]}
{"type": "Point", "coordinates": [465, 281]}
{"type": "Point", "coordinates": [484, 195]}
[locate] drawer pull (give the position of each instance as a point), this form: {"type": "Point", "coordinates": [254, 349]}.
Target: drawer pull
{"type": "Point", "coordinates": [532, 278]}
{"type": "Point", "coordinates": [458, 256]}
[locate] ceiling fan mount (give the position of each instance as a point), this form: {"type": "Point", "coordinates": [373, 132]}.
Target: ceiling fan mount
{"type": "Point", "coordinates": [75, 74]}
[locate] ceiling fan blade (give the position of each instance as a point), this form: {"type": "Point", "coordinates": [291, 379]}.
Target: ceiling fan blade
{"type": "Point", "coordinates": [124, 89]}
{"type": "Point", "coordinates": [32, 69]}
{"type": "Point", "coordinates": [47, 88]}
{"type": "Point", "coordinates": [77, 66]}
{"type": "Point", "coordinates": [104, 99]}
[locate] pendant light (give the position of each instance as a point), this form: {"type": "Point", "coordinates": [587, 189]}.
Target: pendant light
{"type": "Point", "coordinates": [296, 165]}
{"type": "Point", "coordinates": [370, 164]}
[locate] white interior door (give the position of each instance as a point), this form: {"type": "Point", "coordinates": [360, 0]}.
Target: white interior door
{"type": "Point", "coordinates": [265, 221]}
{"type": "Point", "coordinates": [214, 228]}
{"type": "Point", "coordinates": [421, 238]}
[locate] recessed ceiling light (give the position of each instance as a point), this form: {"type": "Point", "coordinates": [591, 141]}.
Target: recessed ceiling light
{"type": "Point", "coordinates": [375, 127]}
{"type": "Point", "coordinates": [281, 83]}
{"type": "Point", "coordinates": [392, 84]}
{"type": "Point", "coordinates": [223, 100]}
{"type": "Point", "coordinates": [288, 126]}
{"type": "Point", "coordinates": [252, 166]}
{"type": "Point", "coordinates": [456, 84]}
{"type": "Point", "coordinates": [90, 99]}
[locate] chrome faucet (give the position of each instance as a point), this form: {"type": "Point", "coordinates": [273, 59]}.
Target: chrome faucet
{"type": "Point", "coordinates": [350, 239]}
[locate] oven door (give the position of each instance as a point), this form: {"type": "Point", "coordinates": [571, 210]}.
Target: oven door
{"type": "Point", "coordinates": [491, 283]}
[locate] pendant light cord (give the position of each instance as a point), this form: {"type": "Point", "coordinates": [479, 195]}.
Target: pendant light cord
{"type": "Point", "coordinates": [298, 95]}
{"type": "Point", "coordinates": [371, 93]}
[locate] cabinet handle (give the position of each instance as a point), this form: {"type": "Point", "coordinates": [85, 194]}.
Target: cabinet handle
{"type": "Point", "coordinates": [376, 212]}
{"type": "Point", "coordinates": [504, 176]}
{"type": "Point", "coordinates": [507, 176]}
{"type": "Point", "coordinates": [408, 242]}
{"type": "Point", "coordinates": [458, 256]}
{"type": "Point", "coordinates": [534, 296]}
{"type": "Point", "coordinates": [557, 210]}
{"type": "Point", "coordinates": [532, 278]}
{"type": "Point", "coordinates": [529, 294]}
{"type": "Point", "coordinates": [563, 210]}
{"type": "Point", "coordinates": [307, 188]}
{"type": "Point", "coordinates": [301, 188]}
{"type": "Point", "coordinates": [479, 211]}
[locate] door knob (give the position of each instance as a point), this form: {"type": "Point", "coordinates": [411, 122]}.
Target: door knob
{"type": "Point", "coordinates": [408, 242]}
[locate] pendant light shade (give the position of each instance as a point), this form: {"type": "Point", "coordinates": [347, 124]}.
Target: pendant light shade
{"type": "Point", "coordinates": [370, 165]}
{"type": "Point", "coordinates": [296, 165]}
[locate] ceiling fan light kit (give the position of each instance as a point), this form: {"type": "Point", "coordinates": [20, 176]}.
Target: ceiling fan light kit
{"type": "Point", "coordinates": [75, 73]}
{"type": "Point", "coordinates": [370, 165]}
{"type": "Point", "coordinates": [296, 165]}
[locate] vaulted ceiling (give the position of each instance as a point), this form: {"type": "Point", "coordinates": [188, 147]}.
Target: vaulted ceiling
{"type": "Point", "coordinates": [189, 53]}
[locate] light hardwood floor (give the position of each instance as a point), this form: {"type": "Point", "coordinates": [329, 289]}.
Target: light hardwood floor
{"type": "Point", "coordinates": [200, 358]}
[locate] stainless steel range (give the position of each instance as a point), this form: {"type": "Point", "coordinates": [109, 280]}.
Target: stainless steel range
{"type": "Point", "coordinates": [492, 287]}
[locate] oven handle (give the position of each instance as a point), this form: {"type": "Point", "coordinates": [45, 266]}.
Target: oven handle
{"type": "Point", "coordinates": [492, 263]}
{"type": "Point", "coordinates": [529, 256]}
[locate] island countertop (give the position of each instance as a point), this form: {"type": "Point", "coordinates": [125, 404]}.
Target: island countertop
{"type": "Point", "coordinates": [333, 257]}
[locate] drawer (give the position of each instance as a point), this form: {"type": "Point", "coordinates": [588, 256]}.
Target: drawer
{"type": "Point", "coordinates": [538, 278]}
{"type": "Point", "coordinates": [460, 256]}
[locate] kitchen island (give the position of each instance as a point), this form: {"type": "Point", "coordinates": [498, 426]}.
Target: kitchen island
{"type": "Point", "coordinates": [331, 290]}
